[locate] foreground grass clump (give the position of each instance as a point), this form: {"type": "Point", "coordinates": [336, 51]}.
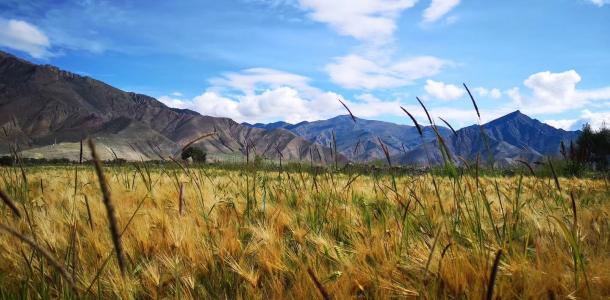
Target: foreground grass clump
{"type": "Point", "coordinates": [212, 233]}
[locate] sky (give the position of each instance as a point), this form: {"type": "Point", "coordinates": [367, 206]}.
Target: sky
{"type": "Point", "coordinates": [292, 60]}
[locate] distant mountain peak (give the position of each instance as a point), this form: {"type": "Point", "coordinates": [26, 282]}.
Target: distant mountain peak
{"type": "Point", "coordinates": [515, 116]}
{"type": "Point", "coordinates": [343, 118]}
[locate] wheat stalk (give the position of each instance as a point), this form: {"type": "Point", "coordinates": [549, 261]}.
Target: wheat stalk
{"type": "Point", "coordinates": [414, 121]}
{"type": "Point", "coordinates": [348, 110]}
{"type": "Point", "coordinates": [492, 277]}
{"type": "Point", "coordinates": [9, 202]}
{"type": "Point", "coordinates": [318, 285]}
{"type": "Point", "coordinates": [44, 253]}
{"type": "Point", "coordinates": [112, 222]}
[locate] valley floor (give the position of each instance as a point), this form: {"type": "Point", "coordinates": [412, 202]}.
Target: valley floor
{"type": "Point", "coordinates": [211, 233]}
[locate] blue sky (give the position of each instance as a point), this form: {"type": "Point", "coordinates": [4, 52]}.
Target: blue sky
{"type": "Point", "coordinates": [270, 60]}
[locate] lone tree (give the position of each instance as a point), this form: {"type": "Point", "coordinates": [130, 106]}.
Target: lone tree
{"type": "Point", "coordinates": [196, 154]}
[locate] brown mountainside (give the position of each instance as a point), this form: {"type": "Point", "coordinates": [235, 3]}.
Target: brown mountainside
{"type": "Point", "coordinates": [47, 111]}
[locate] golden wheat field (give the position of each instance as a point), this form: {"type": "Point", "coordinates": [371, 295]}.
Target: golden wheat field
{"type": "Point", "coordinates": [209, 233]}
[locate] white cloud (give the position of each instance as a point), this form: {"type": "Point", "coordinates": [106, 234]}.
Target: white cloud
{"type": "Point", "coordinates": [495, 94]}
{"type": "Point", "coordinates": [23, 36]}
{"type": "Point", "coordinates": [173, 102]}
{"type": "Point", "coordinates": [177, 94]}
{"type": "Point", "coordinates": [373, 22]}
{"type": "Point", "coordinates": [262, 95]}
{"type": "Point", "coordinates": [599, 3]}
{"type": "Point", "coordinates": [597, 120]}
{"type": "Point", "coordinates": [553, 87]}
{"type": "Point", "coordinates": [250, 79]}
{"type": "Point", "coordinates": [439, 8]}
{"type": "Point", "coordinates": [213, 104]}
{"type": "Point", "coordinates": [370, 20]}
{"type": "Point", "coordinates": [491, 93]}
{"type": "Point", "coordinates": [356, 72]}
{"type": "Point", "coordinates": [566, 124]}
{"type": "Point", "coordinates": [282, 103]}
{"type": "Point", "coordinates": [555, 93]}
{"type": "Point", "coordinates": [265, 95]}
{"type": "Point", "coordinates": [515, 94]}
{"type": "Point", "coordinates": [249, 96]}
{"type": "Point", "coordinates": [370, 106]}
{"type": "Point", "coordinates": [443, 91]}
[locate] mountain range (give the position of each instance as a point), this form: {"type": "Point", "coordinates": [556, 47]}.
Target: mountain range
{"type": "Point", "coordinates": [513, 136]}
{"type": "Point", "coordinates": [45, 112]}
{"type": "Point", "coordinates": [359, 140]}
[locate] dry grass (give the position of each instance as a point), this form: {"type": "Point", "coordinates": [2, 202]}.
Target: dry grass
{"type": "Point", "coordinates": [264, 235]}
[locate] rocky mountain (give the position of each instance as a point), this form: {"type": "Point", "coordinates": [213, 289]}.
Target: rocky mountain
{"type": "Point", "coordinates": [513, 136]}
{"type": "Point", "coordinates": [359, 141]}
{"type": "Point", "coordinates": [46, 111]}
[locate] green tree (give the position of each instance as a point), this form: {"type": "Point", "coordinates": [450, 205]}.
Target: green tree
{"type": "Point", "coordinates": [593, 148]}
{"type": "Point", "coordinates": [196, 154]}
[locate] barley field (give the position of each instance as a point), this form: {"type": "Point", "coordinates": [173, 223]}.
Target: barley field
{"type": "Point", "coordinates": [148, 232]}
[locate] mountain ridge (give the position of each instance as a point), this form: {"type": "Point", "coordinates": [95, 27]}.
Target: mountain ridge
{"type": "Point", "coordinates": [509, 137]}
{"type": "Point", "coordinates": [42, 106]}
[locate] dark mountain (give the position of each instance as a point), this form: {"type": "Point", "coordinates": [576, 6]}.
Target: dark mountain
{"type": "Point", "coordinates": [47, 111]}
{"type": "Point", "coordinates": [513, 136]}
{"type": "Point", "coordinates": [520, 130]}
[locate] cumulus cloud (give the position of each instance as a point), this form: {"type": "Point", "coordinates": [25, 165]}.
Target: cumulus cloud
{"type": "Point", "coordinates": [357, 72]}
{"type": "Point", "coordinates": [439, 8]}
{"type": "Point", "coordinates": [554, 87]}
{"type": "Point", "coordinates": [266, 95]}
{"type": "Point", "coordinates": [369, 20]}
{"type": "Point", "coordinates": [282, 103]}
{"type": "Point", "coordinates": [261, 95]}
{"type": "Point", "coordinates": [443, 91]}
{"type": "Point", "coordinates": [23, 36]}
{"type": "Point", "coordinates": [555, 93]}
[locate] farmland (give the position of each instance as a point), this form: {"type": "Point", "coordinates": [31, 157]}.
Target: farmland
{"type": "Point", "coordinates": [210, 232]}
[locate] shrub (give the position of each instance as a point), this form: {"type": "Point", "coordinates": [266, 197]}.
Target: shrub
{"type": "Point", "coordinates": [196, 154]}
{"type": "Point", "coordinates": [6, 161]}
